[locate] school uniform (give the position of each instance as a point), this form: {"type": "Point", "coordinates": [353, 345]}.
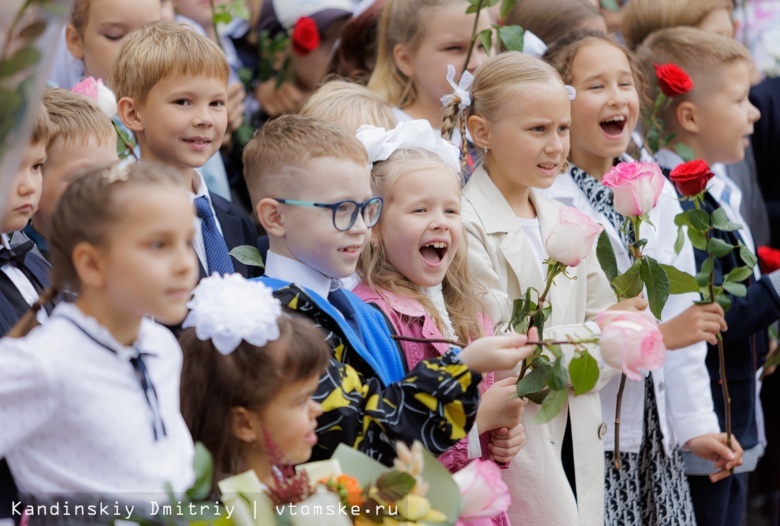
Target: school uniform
{"type": "Point", "coordinates": [503, 256]}
{"type": "Point", "coordinates": [232, 225]}
{"type": "Point", "coordinates": [682, 409]}
{"type": "Point", "coordinates": [746, 344]}
{"type": "Point", "coordinates": [74, 416]}
{"type": "Point", "coordinates": [369, 399]}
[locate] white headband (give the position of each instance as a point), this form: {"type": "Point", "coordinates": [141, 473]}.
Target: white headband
{"type": "Point", "coordinates": [228, 309]}
{"type": "Point", "coordinates": [416, 135]}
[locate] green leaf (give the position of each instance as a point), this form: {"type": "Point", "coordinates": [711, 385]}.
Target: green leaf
{"type": "Point", "coordinates": [506, 8]}
{"type": "Point", "coordinates": [680, 241]}
{"type": "Point", "coordinates": [680, 282]}
{"type": "Point", "coordinates": [583, 372]}
{"type": "Point", "coordinates": [700, 220]}
{"type": "Point", "coordinates": [721, 221]}
{"type": "Point", "coordinates": [21, 60]}
{"type": "Point", "coordinates": [657, 283]}
{"type": "Point", "coordinates": [698, 240]}
{"type": "Point", "coordinates": [724, 301]}
{"type": "Point", "coordinates": [686, 152]}
{"type": "Point", "coordinates": [222, 17]}
{"type": "Point", "coordinates": [394, 485]}
{"type": "Point", "coordinates": [702, 279]}
{"type": "Point", "coordinates": [550, 407]}
{"type": "Point", "coordinates": [248, 255]}
{"type": "Point", "coordinates": [512, 37]}
{"type": "Point", "coordinates": [682, 219]}
{"type": "Point", "coordinates": [707, 266]}
{"type": "Point", "coordinates": [719, 248]}
{"type": "Point", "coordinates": [748, 257]}
{"type": "Point", "coordinates": [539, 397]}
{"type": "Point", "coordinates": [536, 380]}
{"type": "Point", "coordinates": [629, 284]}
{"type": "Point", "coordinates": [738, 274]}
{"type": "Point", "coordinates": [203, 464]}
{"type": "Point", "coordinates": [735, 289]}
{"type": "Point", "coordinates": [558, 377]}
{"type": "Point", "coordinates": [486, 36]}
{"type": "Point", "coordinates": [606, 256]}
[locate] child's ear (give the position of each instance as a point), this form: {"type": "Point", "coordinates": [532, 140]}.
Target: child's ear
{"type": "Point", "coordinates": [403, 60]}
{"type": "Point", "coordinates": [479, 130]}
{"type": "Point", "coordinates": [89, 262]}
{"type": "Point", "coordinates": [270, 216]}
{"type": "Point", "coordinates": [687, 115]}
{"type": "Point", "coordinates": [244, 425]}
{"type": "Point", "coordinates": [127, 109]}
{"type": "Point", "coordinates": [73, 42]}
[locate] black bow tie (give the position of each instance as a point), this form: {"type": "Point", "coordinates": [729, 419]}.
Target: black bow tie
{"type": "Point", "coordinates": [16, 254]}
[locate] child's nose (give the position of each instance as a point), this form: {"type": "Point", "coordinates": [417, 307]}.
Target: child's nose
{"type": "Point", "coordinates": [617, 97]}
{"type": "Point", "coordinates": [316, 408]}
{"type": "Point", "coordinates": [185, 259]}
{"type": "Point", "coordinates": [203, 117]}
{"type": "Point", "coordinates": [26, 184]}
{"type": "Point", "coordinates": [753, 113]}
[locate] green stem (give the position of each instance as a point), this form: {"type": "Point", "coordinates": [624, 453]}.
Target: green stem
{"type": "Point", "coordinates": [214, 26]}
{"type": "Point", "coordinates": [617, 420]}
{"type": "Point", "coordinates": [552, 271]}
{"type": "Point", "coordinates": [473, 37]}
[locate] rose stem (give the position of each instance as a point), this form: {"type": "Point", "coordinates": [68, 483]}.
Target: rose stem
{"type": "Point", "coordinates": [617, 420]}
{"type": "Point", "coordinates": [461, 344]}
{"type": "Point", "coordinates": [473, 36]}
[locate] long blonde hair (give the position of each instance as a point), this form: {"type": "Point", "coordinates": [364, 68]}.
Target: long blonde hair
{"type": "Point", "coordinates": [402, 22]}
{"type": "Point", "coordinates": [461, 292]}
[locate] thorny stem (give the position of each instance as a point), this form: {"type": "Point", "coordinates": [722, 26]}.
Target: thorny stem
{"type": "Point", "coordinates": [552, 271]}
{"type": "Point", "coordinates": [617, 420]}
{"type": "Point", "coordinates": [473, 37]}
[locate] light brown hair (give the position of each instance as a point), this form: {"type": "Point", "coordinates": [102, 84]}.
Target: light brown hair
{"type": "Point", "coordinates": [291, 141]}
{"type": "Point", "coordinates": [41, 129]}
{"type": "Point", "coordinates": [350, 105]}
{"type": "Point", "coordinates": [160, 50]}
{"type": "Point", "coordinates": [402, 22]}
{"type": "Point", "coordinates": [87, 212]}
{"type": "Point", "coordinates": [74, 118]}
{"type": "Point", "coordinates": [250, 377]}
{"type": "Point", "coordinates": [461, 292]}
{"type": "Point", "coordinates": [643, 17]}
{"type": "Point", "coordinates": [79, 15]}
{"type": "Point", "coordinates": [536, 16]}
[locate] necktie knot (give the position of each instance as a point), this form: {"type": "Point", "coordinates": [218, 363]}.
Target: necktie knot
{"type": "Point", "coordinates": [202, 207]}
{"type": "Point", "coordinates": [16, 254]}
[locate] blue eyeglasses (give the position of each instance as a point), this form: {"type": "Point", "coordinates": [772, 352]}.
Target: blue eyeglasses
{"type": "Point", "coordinates": [345, 212]}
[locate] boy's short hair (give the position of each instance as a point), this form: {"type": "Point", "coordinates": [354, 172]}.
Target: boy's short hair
{"type": "Point", "coordinates": [159, 50]}
{"type": "Point", "coordinates": [643, 17]}
{"type": "Point", "coordinates": [291, 141]}
{"type": "Point", "coordinates": [699, 53]}
{"type": "Point", "coordinates": [41, 126]}
{"type": "Point", "coordinates": [350, 105]}
{"type": "Point", "coordinates": [74, 117]}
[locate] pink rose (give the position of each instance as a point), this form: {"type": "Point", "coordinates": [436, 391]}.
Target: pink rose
{"type": "Point", "coordinates": [571, 240]}
{"type": "Point", "coordinates": [631, 341]}
{"type": "Point", "coordinates": [484, 493]}
{"type": "Point", "coordinates": [98, 93]}
{"type": "Point", "coordinates": [636, 186]}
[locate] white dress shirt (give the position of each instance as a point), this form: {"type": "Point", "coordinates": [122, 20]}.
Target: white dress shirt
{"type": "Point", "coordinates": [292, 270]}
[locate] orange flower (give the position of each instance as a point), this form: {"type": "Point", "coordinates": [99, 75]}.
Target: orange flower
{"type": "Point", "coordinates": [351, 490]}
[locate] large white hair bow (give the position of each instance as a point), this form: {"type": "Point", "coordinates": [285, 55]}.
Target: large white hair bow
{"type": "Point", "coordinates": [380, 143]}
{"type": "Point", "coordinates": [228, 309]}
{"type": "Point", "coordinates": [461, 89]}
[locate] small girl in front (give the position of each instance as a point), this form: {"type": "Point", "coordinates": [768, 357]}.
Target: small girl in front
{"type": "Point", "coordinates": [519, 121]}
{"type": "Point", "coordinates": [248, 377]}
{"type": "Point", "coordinates": [672, 408]}
{"type": "Point", "coordinates": [414, 269]}
{"type": "Point", "coordinates": [93, 395]}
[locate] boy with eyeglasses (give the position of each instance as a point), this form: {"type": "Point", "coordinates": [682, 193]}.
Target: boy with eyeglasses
{"type": "Point", "coordinates": [310, 185]}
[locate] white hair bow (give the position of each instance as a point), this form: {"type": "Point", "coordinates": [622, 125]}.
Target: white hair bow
{"type": "Point", "coordinates": [228, 309]}
{"type": "Point", "coordinates": [418, 134]}
{"type": "Point", "coordinates": [460, 90]}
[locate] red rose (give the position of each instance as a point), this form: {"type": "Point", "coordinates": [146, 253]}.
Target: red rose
{"type": "Point", "coordinates": [673, 80]}
{"type": "Point", "coordinates": [691, 178]}
{"type": "Point", "coordinates": [768, 259]}
{"type": "Point", "coordinates": [305, 36]}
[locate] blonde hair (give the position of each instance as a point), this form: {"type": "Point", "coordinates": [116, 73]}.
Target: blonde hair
{"type": "Point", "coordinates": [402, 22]}
{"type": "Point", "coordinates": [534, 16]}
{"type": "Point", "coordinates": [643, 17]}
{"type": "Point", "coordinates": [159, 50]}
{"type": "Point", "coordinates": [350, 105]}
{"type": "Point", "coordinates": [374, 267]}
{"type": "Point", "coordinates": [496, 81]}
{"type": "Point", "coordinates": [700, 54]}
{"type": "Point", "coordinates": [41, 129]}
{"type": "Point", "coordinates": [79, 15]}
{"type": "Point", "coordinates": [87, 212]}
{"type": "Point", "coordinates": [75, 117]}
{"type": "Point", "coordinates": [291, 141]}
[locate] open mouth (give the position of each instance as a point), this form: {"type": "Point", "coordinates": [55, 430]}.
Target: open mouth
{"type": "Point", "coordinates": [613, 126]}
{"type": "Point", "coordinates": [200, 141]}
{"type": "Point", "coordinates": [434, 251]}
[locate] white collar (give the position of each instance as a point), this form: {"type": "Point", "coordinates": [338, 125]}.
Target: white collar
{"type": "Point", "coordinates": [292, 270]}
{"type": "Point", "coordinates": [6, 241]}
{"type": "Point", "coordinates": [202, 188]}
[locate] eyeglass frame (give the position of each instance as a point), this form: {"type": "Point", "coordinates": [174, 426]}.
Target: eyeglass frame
{"type": "Point", "coordinates": [360, 208]}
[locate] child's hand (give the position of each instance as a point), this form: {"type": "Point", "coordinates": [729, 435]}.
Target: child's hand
{"type": "Point", "coordinates": [713, 447]}
{"type": "Point", "coordinates": [696, 323]}
{"type": "Point", "coordinates": [235, 106]}
{"type": "Point", "coordinates": [632, 304]}
{"type": "Point", "coordinates": [498, 353]}
{"type": "Point", "coordinates": [505, 443]}
{"type": "Point", "coordinates": [276, 101]}
{"type": "Point", "coordinates": [496, 409]}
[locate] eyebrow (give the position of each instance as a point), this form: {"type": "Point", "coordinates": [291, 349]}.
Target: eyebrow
{"type": "Point", "coordinates": [598, 76]}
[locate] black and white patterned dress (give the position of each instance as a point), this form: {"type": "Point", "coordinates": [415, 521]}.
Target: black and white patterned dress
{"type": "Point", "coordinates": [651, 488]}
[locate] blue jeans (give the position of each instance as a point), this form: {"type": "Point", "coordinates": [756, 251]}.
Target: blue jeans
{"type": "Point", "coordinates": [719, 504]}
